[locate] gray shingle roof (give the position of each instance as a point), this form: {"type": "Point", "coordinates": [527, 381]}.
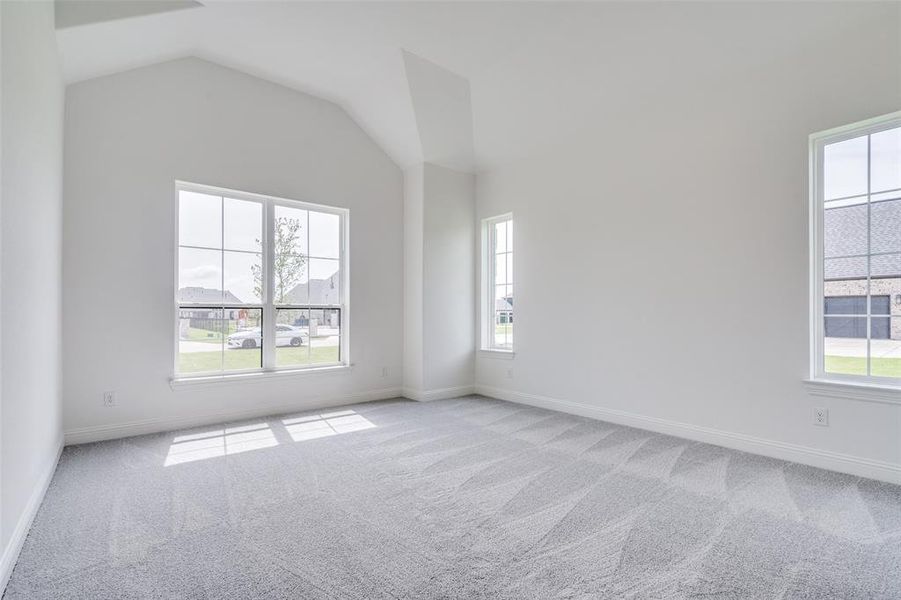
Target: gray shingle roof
{"type": "Point", "coordinates": [321, 291]}
{"type": "Point", "coordinates": [201, 295]}
{"type": "Point", "coordinates": [845, 233]}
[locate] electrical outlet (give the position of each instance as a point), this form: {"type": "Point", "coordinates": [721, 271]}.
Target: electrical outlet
{"type": "Point", "coordinates": [109, 399]}
{"type": "Point", "coordinates": [384, 371]}
{"type": "Point", "coordinates": [509, 373]}
{"type": "Point", "coordinates": [821, 417]}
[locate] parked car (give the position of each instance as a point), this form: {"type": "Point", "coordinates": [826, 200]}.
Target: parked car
{"type": "Point", "coordinates": [285, 335]}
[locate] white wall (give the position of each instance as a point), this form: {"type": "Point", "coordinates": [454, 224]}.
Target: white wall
{"type": "Point", "coordinates": [128, 138]}
{"type": "Point", "coordinates": [439, 283]}
{"type": "Point", "coordinates": [661, 247]}
{"type": "Point", "coordinates": [449, 279]}
{"type": "Point", "coordinates": [30, 245]}
{"type": "Point", "coordinates": [414, 190]}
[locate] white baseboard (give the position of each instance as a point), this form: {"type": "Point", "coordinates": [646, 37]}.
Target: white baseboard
{"type": "Point", "coordinates": [437, 394]}
{"type": "Point", "coordinates": [824, 459]}
{"type": "Point", "coordinates": [17, 539]}
{"type": "Point", "coordinates": [99, 433]}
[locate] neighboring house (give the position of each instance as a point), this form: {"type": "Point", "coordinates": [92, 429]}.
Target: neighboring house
{"type": "Point", "coordinates": [846, 245]}
{"type": "Point", "coordinates": [503, 308]}
{"type": "Point", "coordinates": [208, 316]}
{"type": "Point", "coordinates": [206, 296]}
{"type": "Point", "coordinates": [317, 292]}
{"type": "Point", "coordinates": [209, 298]}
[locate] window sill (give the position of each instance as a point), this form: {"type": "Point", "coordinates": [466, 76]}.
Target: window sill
{"type": "Point", "coordinates": [849, 390]}
{"type": "Point", "coordinates": [502, 354]}
{"type": "Point", "coordinates": [215, 380]}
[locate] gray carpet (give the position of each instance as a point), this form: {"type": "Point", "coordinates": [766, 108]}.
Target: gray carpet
{"type": "Point", "coordinates": [465, 498]}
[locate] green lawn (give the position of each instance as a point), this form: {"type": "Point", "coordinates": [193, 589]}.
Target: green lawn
{"type": "Point", "coordinates": [238, 359]}
{"type": "Point", "coordinates": [204, 335]}
{"type": "Point", "coordinates": [854, 365]}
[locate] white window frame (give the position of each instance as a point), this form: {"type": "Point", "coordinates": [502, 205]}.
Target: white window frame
{"type": "Point", "coordinates": [818, 141]}
{"type": "Point", "coordinates": [487, 288]}
{"type": "Point", "coordinates": [267, 305]}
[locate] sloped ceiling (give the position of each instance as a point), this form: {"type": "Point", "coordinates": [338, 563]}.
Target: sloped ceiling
{"type": "Point", "coordinates": [443, 112]}
{"type": "Point", "coordinates": [535, 73]}
{"type": "Point", "coordinates": [72, 13]}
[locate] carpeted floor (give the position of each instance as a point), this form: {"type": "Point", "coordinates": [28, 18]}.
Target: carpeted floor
{"type": "Point", "coordinates": [465, 498]}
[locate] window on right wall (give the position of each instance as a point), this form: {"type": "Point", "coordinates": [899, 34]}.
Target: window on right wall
{"type": "Point", "coordinates": [497, 283]}
{"type": "Point", "coordinates": [856, 253]}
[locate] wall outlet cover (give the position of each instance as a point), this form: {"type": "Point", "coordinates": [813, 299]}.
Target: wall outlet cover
{"type": "Point", "coordinates": [821, 417]}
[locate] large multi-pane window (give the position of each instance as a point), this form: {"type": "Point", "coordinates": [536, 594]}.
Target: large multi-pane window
{"type": "Point", "coordinates": [498, 283]}
{"type": "Point", "coordinates": [259, 283]}
{"type": "Point", "coordinates": [857, 259]}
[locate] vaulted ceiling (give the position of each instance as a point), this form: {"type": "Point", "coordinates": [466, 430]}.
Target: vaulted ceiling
{"type": "Point", "coordinates": [468, 84]}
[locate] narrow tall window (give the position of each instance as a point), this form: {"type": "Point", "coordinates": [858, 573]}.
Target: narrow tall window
{"type": "Point", "coordinates": [857, 259]}
{"type": "Point", "coordinates": [260, 283]}
{"type": "Point", "coordinates": [498, 283]}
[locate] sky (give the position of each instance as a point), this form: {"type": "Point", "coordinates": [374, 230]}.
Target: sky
{"type": "Point", "coordinates": [222, 233]}
{"type": "Point", "coordinates": [845, 165]}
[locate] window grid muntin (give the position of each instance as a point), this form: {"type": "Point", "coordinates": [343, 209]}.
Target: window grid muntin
{"type": "Point", "coordinates": [267, 306]}
{"type": "Point", "coordinates": [818, 280]}
{"type": "Point", "coordinates": [492, 313]}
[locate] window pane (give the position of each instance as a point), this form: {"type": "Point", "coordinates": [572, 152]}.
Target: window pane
{"type": "Point", "coordinates": [199, 220]}
{"type": "Point", "coordinates": [885, 358]}
{"type": "Point", "coordinates": [879, 328]}
{"type": "Point", "coordinates": [290, 231]}
{"type": "Point", "coordinates": [500, 269]}
{"type": "Point", "coordinates": [880, 305]}
{"type": "Point", "coordinates": [845, 231]}
{"type": "Point", "coordinates": [200, 340]}
{"type": "Point", "coordinates": [500, 237]}
{"type": "Point", "coordinates": [325, 335]}
{"type": "Point", "coordinates": [243, 278]}
{"type": "Point", "coordinates": [845, 355]}
{"type": "Point", "coordinates": [895, 195]}
{"type": "Point", "coordinates": [845, 168]}
{"type": "Point", "coordinates": [289, 278]}
{"type": "Point", "coordinates": [885, 226]}
{"type": "Point", "coordinates": [299, 293]}
{"type": "Point", "coordinates": [510, 235]}
{"type": "Point", "coordinates": [292, 337]}
{"type": "Point", "coordinates": [846, 327]}
{"type": "Point", "coordinates": [325, 235]}
{"type": "Point", "coordinates": [885, 265]}
{"type": "Point", "coordinates": [868, 283]}
{"type": "Point", "coordinates": [222, 282]}
{"type": "Point", "coordinates": [885, 149]}
{"type": "Point", "coordinates": [845, 268]}
{"type": "Point", "coordinates": [244, 347]}
{"type": "Point", "coordinates": [325, 281]}
{"type": "Point", "coordinates": [501, 301]}
{"type": "Point", "coordinates": [243, 225]}
{"type": "Point", "coordinates": [846, 305]}
{"type": "Point", "coordinates": [199, 276]}
{"type": "Point", "coordinates": [510, 268]}
{"type": "Point", "coordinates": [503, 330]}
{"type": "Point", "coordinates": [503, 316]}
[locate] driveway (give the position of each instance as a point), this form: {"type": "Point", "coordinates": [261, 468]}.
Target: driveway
{"type": "Point", "coordinates": [185, 346]}
{"type": "Point", "coordinates": [858, 347]}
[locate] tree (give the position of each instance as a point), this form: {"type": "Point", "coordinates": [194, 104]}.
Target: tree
{"type": "Point", "coordinates": [287, 264]}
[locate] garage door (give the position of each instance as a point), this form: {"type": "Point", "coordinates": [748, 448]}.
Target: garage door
{"type": "Point", "coordinates": [846, 317]}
